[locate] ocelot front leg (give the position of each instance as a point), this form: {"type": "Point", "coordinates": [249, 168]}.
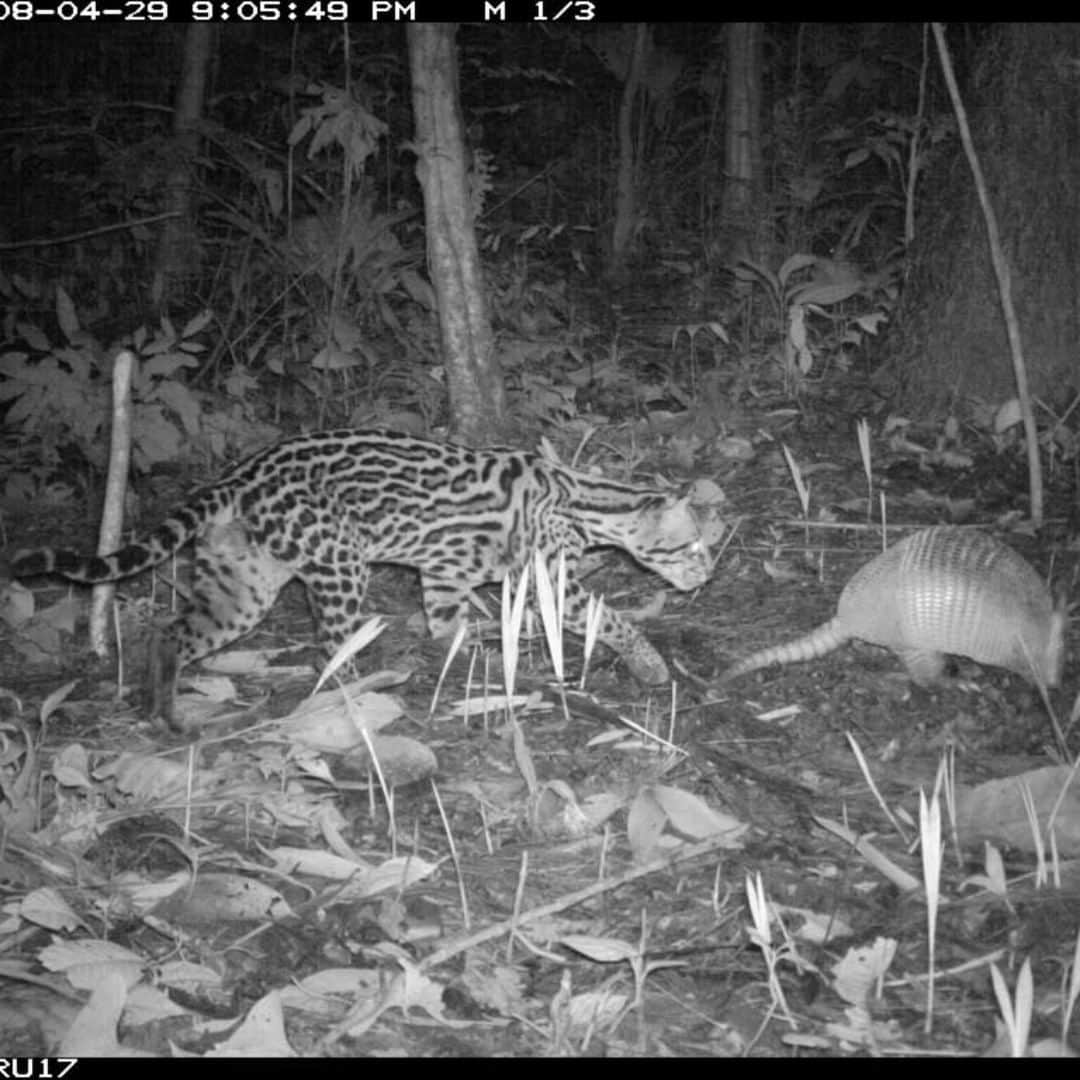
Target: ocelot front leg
{"type": "Point", "coordinates": [336, 591]}
{"type": "Point", "coordinates": [335, 571]}
{"type": "Point", "coordinates": [618, 634]}
{"type": "Point", "coordinates": [446, 603]}
{"type": "Point", "coordinates": [616, 631]}
{"type": "Point", "coordinates": [235, 583]}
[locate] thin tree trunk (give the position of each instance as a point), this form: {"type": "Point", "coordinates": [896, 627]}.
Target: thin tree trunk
{"type": "Point", "coordinates": [474, 377]}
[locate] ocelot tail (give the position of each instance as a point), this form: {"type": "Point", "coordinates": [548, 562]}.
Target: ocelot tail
{"type": "Point", "coordinates": [324, 507]}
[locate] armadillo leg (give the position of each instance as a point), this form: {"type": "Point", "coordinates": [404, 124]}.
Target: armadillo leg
{"type": "Point", "coordinates": [923, 665]}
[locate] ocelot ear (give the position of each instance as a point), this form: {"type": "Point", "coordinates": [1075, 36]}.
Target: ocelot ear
{"type": "Point", "coordinates": [704, 496]}
{"type": "Point", "coordinates": [672, 510]}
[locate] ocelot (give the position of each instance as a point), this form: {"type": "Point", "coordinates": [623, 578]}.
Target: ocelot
{"type": "Point", "coordinates": [323, 507]}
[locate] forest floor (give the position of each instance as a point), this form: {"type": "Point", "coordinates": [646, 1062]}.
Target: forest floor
{"type": "Point", "coordinates": [576, 881]}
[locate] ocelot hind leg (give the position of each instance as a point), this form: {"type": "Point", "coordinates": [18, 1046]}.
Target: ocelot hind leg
{"type": "Point", "coordinates": [235, 584]}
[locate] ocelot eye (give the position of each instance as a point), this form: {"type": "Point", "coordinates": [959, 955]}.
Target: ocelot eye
{"type": "Point", "coordinates": [699, 549]}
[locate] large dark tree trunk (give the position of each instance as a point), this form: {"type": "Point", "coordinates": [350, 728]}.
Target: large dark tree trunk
{"type": "Point", "coordinates": [628, 165]}
{"type": "Point", "coordinates": [179, 254]}
{"type": "Point", "coordinates": [950, 344]}
{"type": "Point", "coordinates": [742, 144]}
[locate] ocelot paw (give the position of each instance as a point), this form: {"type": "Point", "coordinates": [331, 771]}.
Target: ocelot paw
{"type": "Point", "coordinates": [647, 665]}
{"type": "Point", "coordinates": [161, 682]}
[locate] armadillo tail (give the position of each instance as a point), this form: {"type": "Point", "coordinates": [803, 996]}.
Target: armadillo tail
{"type": "Point", "coordinates": [824, 639]}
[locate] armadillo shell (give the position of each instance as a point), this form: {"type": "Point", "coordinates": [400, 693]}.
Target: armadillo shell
{"type": "Point", "coordinates": [942, 590]}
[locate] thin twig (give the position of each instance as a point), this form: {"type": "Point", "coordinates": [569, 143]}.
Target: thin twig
{"type": "Point", "coordinates": [51, 241]}
{"type": "Point", "coordinates": [496, 930]}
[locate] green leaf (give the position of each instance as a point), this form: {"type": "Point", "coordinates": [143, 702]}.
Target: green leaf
{"type": "Point", "coordinates": [33, 336]}
{"type": "Point", "coordinates": [65, 314]}
{"type": "Point", "coordinates": [197, 324]}
{"type": "Point", "coordinates": [156, 437]}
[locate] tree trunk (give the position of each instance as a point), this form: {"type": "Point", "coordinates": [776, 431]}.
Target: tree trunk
{"type": "Point", "coordinates": [949, 350]}
{"type": "Point", "coordinates": [628, 170]}
{"type": "Point", "coordinates": [179, 253]}
{"type": "Point", "coordinates": [474, 378]}
{"type": "Point", "coordinates": [742, 143]}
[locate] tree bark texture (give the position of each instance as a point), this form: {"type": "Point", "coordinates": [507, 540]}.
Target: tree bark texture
{"type": "Point", "coordinates": [474, 379]}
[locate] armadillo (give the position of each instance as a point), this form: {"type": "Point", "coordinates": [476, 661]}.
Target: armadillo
{"type": "Point", "coordinates": [941, 590]}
